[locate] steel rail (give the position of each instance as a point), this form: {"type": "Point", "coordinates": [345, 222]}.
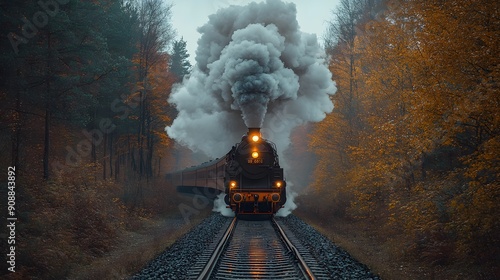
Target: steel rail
{"type": "Point", "coordinates": [302, 264]}
{"type": "Point", "coordinates": [209, 267]}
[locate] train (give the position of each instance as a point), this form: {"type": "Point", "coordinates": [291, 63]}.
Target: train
{"type": "Point", "coordinates": [249, 174]}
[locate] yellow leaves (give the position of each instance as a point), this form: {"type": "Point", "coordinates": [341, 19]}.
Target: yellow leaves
{"type": "Point", "coordinates": [415, 133]}
{"type": "Point", "coordinates": [484, 164]}
{"type": "Point", "coordinates": [475, 216]}
{"type": "Point", "coordinates": [393, 205]}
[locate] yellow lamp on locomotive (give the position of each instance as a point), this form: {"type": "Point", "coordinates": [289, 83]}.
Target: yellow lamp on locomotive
{"type": "Point", "coordinates": [255, 154]}
{"type": "Point", "coordinates": [232, 184]}
{"type": "Point", "coordinates": [254, 134]}
{"type": "Point", "coordinates": [278, 184]}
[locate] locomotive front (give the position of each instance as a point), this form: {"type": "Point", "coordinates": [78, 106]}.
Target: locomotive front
{"type": "Point", "coordinates": [254, 180]}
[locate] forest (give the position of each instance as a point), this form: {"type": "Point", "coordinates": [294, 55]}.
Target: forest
{"type": "Point", "coordinates": [412, 146]}
{"type": "Point", "coordinates": [409, 155]}
{"type": "Point", "coordinates": [84, 89]}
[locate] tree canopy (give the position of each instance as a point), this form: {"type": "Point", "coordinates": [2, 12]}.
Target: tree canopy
{"type": "Point", "coordinates": [413, 140]}
{"type": "Point", "coordinates": [179, 63]}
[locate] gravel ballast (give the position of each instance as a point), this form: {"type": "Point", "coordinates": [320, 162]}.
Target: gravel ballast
{"type": "Point", "coordinates": [177, 261]}
{"type": "Point", "coordinates": [338, 263]}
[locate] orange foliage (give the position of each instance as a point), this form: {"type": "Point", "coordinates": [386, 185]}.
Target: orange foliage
{"type": "Point", "coordinates": [419, 82]}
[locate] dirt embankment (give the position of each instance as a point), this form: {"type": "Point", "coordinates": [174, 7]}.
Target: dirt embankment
{"type": "Point", "coordinates": [386, 256]}
{"type": "Point", "coordinates": [136, 248]}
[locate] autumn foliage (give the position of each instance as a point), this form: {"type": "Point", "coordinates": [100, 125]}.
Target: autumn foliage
{"type": "Point", "coordinates": [413, 143]}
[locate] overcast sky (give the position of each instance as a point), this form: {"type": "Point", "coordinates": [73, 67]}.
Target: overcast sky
{"type": "Point", "coordinates": [188, 15]}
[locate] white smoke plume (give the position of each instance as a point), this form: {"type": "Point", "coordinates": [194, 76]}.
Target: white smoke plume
{"type": "Point", "coordinates": [221, 206]}
{"type": "Point", "coordinates": [255, 68]}
{"type": "Point", "coordinates": [290, 202]}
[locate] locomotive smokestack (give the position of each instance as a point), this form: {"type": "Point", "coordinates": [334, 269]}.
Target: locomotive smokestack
{"type": "Point", "coordinates": [253, 131]}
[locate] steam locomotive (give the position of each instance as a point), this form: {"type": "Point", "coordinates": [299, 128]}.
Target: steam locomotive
{"type": "Point", "coordinates": [249, 174]}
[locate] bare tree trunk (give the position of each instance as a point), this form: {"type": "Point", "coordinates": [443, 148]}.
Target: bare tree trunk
{"type": "Point", "coordinates": [104, 156]}
{"type": "Point", "coordinates": [110, 148]}
{"type": "Point", "coordinates": [16, 135]}
{"type": "Point", "coordinates": [46, 147]}
{"type": "Point", "coordinates": [159, 166]}
{"type": "Point", "coordinates": [93, 151]}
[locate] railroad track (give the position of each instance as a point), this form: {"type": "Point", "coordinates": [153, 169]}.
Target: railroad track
{"type": "Point", "coordinates": [257, 250]}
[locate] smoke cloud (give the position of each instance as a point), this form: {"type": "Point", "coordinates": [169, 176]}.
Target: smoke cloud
{"type": "Point", "coordinates": [220, 206]}
{"type": "Point", "coordinates": [255, 68]}
{"type": "Point", "coordinates": [290, 202]}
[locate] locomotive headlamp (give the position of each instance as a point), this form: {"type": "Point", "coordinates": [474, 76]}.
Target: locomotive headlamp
{"type": "Point", "coordinates": [237, 197]}
{"type": "Point", "coordinates": [278, 184]}
{"type": "Point", "coordinates": [275, 197]}
{"type": "Point", "coordinates": [255, 138]}
{"type": "Point", "coordinates": [255, 154]}
{"type": "Point", "coordinates": [232, 184]}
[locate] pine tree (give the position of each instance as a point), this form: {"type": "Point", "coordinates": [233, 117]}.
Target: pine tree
{"type": "Point", "coordinates": [179, 63]}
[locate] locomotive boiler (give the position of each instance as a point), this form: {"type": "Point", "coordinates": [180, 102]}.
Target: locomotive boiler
{"type": "Point", "coordinates": [249, 174]}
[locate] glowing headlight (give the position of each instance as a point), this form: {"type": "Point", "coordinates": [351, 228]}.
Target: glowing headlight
{"type": "Point", "coordinates": [278, 184]}
{"type": "Point", "coordinates": [255, 154]}
{"type": "Point", "coordinates": [232, 184]}
{"type": "Point", "coordinates": [255, 138]}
